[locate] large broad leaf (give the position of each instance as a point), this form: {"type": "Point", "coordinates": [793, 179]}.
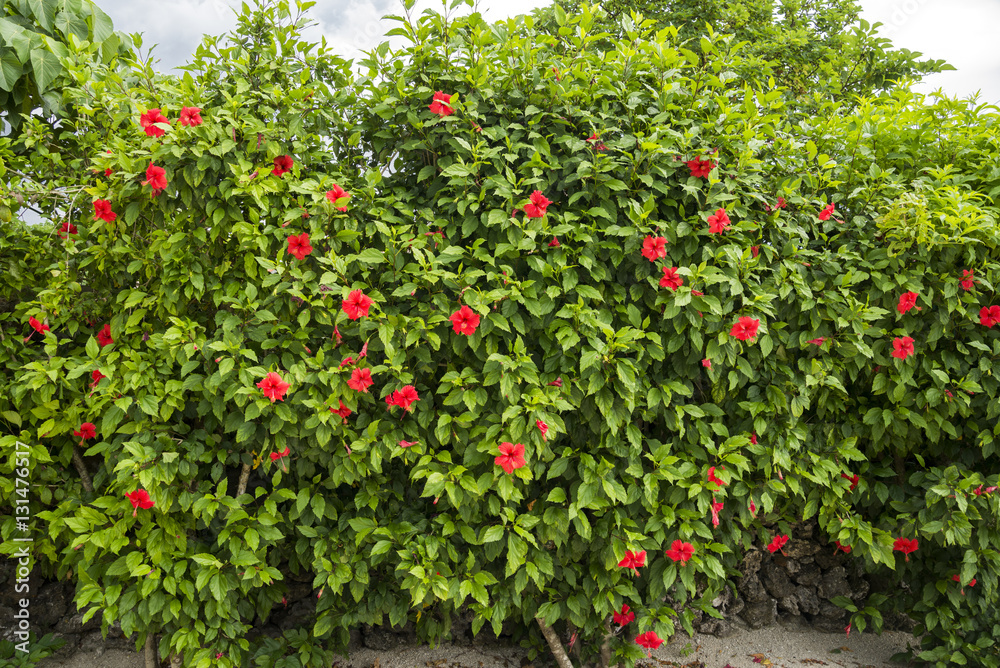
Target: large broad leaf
{"type": "Point", "coordinates": [10, 70]}
{"type": "Point", "coordinates": [18, 37]}
{"type": "Point", "coordinates": [44, 11]}
{"type": "Point", "coordinates": [46, 67]}
{"type": "Point", "coordinates": [100, 24]}
{"type": "Point", "coordinates": [72, 24]}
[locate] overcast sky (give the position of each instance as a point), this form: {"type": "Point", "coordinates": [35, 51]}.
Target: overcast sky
{"type": "Point", "coordinates": [963, 32]}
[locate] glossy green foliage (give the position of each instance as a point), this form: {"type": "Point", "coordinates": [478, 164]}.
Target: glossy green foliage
{"type": "Point", "coordinates": [404, 515]}
{"type": "Point", "coordinates": [34, 36]}
{"type": "Point", "coordinates": [815, 50]}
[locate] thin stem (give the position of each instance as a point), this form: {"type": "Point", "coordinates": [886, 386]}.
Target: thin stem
{"type": "Point", "coordinates": [244, 479]}
{"type": "Point", "coordinates": [562, 660]}
{"type": "Point", "coordinates": [150, 652]}
{"type": "Point", "coordinates": [81, 468]}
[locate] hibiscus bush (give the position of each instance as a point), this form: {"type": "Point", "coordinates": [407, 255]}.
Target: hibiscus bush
{"type": "Point", "coordinates": [505, 324]}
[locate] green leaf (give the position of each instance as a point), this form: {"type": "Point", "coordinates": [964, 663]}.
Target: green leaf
{"type": "Point", "coordinates": [371, 256]}
{"type": "Point", "coordinates": [150, 404]}
{"type": "Point", "coordinates": [10, 70]}
{"type": "Point", "coordinates": [517, 550]}
{"type": "Point", "coordinates": [46, 68]}
{"type": "Point", "coordinates": [93, 349]}
{"type": "Point", "coordinates": [492, 533]}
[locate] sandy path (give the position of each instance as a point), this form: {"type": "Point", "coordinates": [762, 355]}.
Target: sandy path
{"type": "Point", "coordinates": [774, 646]}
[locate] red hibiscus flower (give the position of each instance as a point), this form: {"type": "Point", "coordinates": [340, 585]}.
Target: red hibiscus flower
{"type": "Point", "coordinates": [361, 380]}
{"type": "Point", "coordinates": [554, 243]}
{"type": "Point", "coordinates": [537, 206]}
{"type": "Point", "coordinates": [66, 229]}
{"type": "Point", "coordinates": [404, 397]}
{"type": "Point", "coordinates": [275, 456]}
{"type": "Point", "coordinates": [827, 211]}
{"type": "Point", "coordinates": [697, 293]}
{"type": "Point", "coordinates": [649, 640]}
{"type": "Point", "coordinates": [972, 582]}
{"type": "Point", "coordinates": [718, 222]}
{"type": "Point", "coordinates": [343, 411]}
{"type": "Point", "coordinates": [148, 121]}
{"type": "Point", "coordinates": [104, 336]}
{"type": "Point", "coordinates": [624, 617]}
{"type": "Point", "coordinates": [273, 387]}
{"type": "Point", "coordinates": [338, 193]}
{"type": "Point", "coordinates": [86, 432]}
{"type": "Point", "coordinates": [440, 104]}
{"type": "Point", "coordinates": [347, 360]}
{"type": "Point", "coordinates": [755, 251]}
{"type": "Point", "coordinates": [282, 165]}
{"type": "Point", "coordinates": [700, 168]}
{"type": "Point", "coordinates": [845, 548]}
{"type": "Point", "coordinates": [989, 316]}
{"type": "Point", "coordinates": [817, 342]}
{"type": "Point", "coordinates": [853, 479]}
{"type": "Point", "coordinates": [653, 248]}
{"type": "Point", "coordinates": [753, 508]}
{"type": "Point", "coordinates": [782, 203]}
{"type": "Point", "coordinates": [465, 321]}
{"type": "Point", "coordinates": [190, 116]}
{"type": "Point", "coordinates": [557, 382]}
{"type": "Point", "coordinates": [680, 551]}
{"type": "Point", "coordinates": [670, 279]}
{"type": "Point", "coordinates": [511, 457]}
{"type": "Point", "coordinates": [542, 427]}
{"type": "Point", "coordinates": [336, 335]}
{"type": "Point", "coordinates": [356, 304]}
{"type": "Point", "coordinates": [968, 280]}
{"type": "Point", "coordinates": [777, 543]}
{"type": "Point", "coordinates": [102, 210]}
{"type": "Point", "coordinates": [716, 507]}
{"type": "Point", "coordinates": [299, 246]}
{"type": "Point", "coordinates": [907, 300]}
{"type": "Point", "coordinates": [753, 438]}
{"type": "Point", "coordinates": [140, 499]}
{"type": "Point", "coordinates": [96, 376]}
{"type": "Point", "coordinates": [156, 178]}
{"type": "Point", "coordinates": [707, 363]}
{"type": "Point", "coordinates": [599, 145]}
{"type": "Point", "coordinates": [38, 326]}
{"type": "Point", "coordinates": [713, 478]}
{"type": "Point", "coordinates": [408, 444]}
{"type": "Point", "coordinates": [633, 560]}
{"type": "Point", "coordinates": [902, 347]}
{"type": "Point", "coordinates": [906, 546]}
{"type": "Point", "coordinates": [745, 328]}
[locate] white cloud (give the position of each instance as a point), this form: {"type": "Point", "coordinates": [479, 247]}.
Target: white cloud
{"type": "Point", "coordinates": [963, 32]}
{"type": "Point", "coordinates": [350, 26]}
{"type": "Point", "coordinates": [959, 31]}
{"type": "Point", "coordinates": [176, 26]}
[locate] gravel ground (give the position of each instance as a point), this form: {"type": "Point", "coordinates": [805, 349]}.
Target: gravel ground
{"type": "Point", "coordinates": [773, 646]}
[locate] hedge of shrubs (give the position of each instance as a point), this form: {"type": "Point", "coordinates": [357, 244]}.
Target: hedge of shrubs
{"type": "Point", "coordinates": [506, 323]}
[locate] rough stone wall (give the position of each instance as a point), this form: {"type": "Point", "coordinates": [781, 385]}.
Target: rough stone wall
{"type": "Point", "coordinates": [793, 589]}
